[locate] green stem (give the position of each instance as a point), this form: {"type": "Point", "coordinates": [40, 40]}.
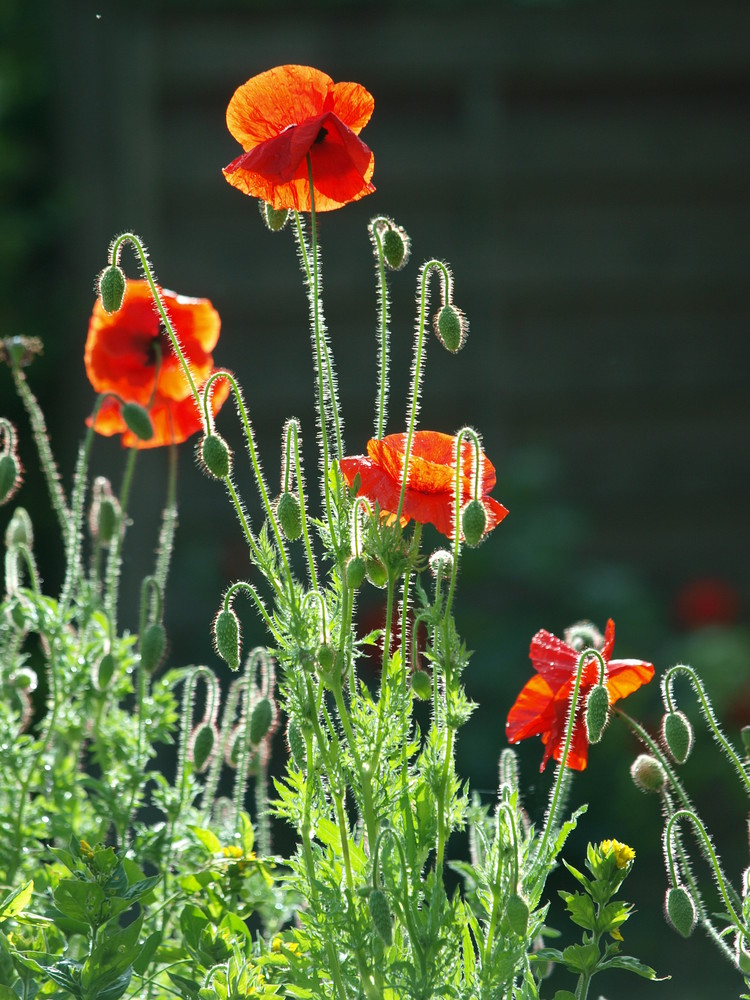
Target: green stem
{"type": "Point", "coordinates": [114, 561]}
{"type": "Point", "coordinates": [168, 525]}
{"type": "Point", "coordinates": [381, 409]}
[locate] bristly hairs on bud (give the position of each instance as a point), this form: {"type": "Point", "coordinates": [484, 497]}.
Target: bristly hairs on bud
{"type": "Point", "coordinates": [104, 513]}
{"type": "Point", "coordinates": [677, 734]}
{"type": "Point", "coordinates": [392, 247]}
{"type": "Point", "coordinates": [597, 712]}
{"type": "Point", "coordinates": [274, 218]}
{"type": "Point", "coordinates": [111, 287]}
{"type": "Point", "coordinates": [10, 466]}
{"type": "Point", "coordinates": [451, 327]}
{"type": "Point", "coordinates": [648, 773]}
{"type": "Point", "coordinates": [188, 727]}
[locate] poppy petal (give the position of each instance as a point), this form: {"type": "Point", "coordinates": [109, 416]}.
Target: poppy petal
{"type": "Point", "coordinates": [626, 676]}
{"type": "Point", "coordinates": [554, 659]}
{"type": "Point", "coordinates": [272, 101]}
{"type": "Point", "coordinates": [532, 713]}
{"type": "Point", "coordinates": [353, 105]}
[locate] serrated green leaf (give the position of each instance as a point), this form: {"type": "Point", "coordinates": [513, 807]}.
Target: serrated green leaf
{"type": "Point", "coordinates": [581, 957]}
{"type": "Point", "coordinates": [581, 909]}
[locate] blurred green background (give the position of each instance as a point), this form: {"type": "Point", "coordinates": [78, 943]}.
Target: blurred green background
{"type": "Point", "coordinates": [584, 168]}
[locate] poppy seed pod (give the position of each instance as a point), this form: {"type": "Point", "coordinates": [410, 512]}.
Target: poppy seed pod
{"type": "Point", "coordinates": [597, 709]}
{"type": "Point", "coordinates": [474, 522]}
{"type": "Point", "coordinates": [112, 288]}
{"type": "Point", "coordinates": [517, 912]}
{"type": "Point", "coordinates": [680, 910]}
{"type": "Point", "coordinates": [355, 572]}
{"type": "Point", "coordinates": [451, 328]}
{"type": "Point", "coordinates": [677, 734]}
{"type": "Point", "coordinates": [396, 247]}
{"type": "Point", "coordinates": [648, 774]}
{"type": "Point", "coordinates": [274, 218]}
{"type": "Point", "coordinates": [137, 421]}
{"type": "Point", "coordinates": [227, 637]}
{"type": "Point", "coordinates": [216, 456]}
{"type": "Point", "coordinates": [10, 476]}
{"type": "Point", "coordinates": [380, 914]}
{"type": "Point", "coordinates": [421, 685]}
{"type": "Point", "coordinates": [202, 745]}
{"type": "Point", "coordinates": [153, 646]}
{"type": "Point", "coordinates": [289, 513]}
{"type": "Point", "coordinates": [260, 720]}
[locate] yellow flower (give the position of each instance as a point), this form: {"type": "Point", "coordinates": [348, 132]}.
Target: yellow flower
{"type": "Point", "coordinates": [623, 854]}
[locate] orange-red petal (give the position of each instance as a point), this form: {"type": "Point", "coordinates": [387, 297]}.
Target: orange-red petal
{"type": "Point", "coordinates": [272, 101]}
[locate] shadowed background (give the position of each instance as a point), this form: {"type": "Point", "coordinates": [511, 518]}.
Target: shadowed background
{"type": "Point", "coordinates": [584, 169]}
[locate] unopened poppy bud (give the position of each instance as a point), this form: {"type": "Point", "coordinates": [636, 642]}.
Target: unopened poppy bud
{"type": "Point", "coordinates": [396, 247]}
{"type": "Point", "coordinates": [326, 656]}
{"type": "Point", "coordinates": [153, 646]}
{"type": "Point", "coordinates": [745, 735]}
{"type": "Point", "coordinates": [473, 522]}
{"type": "Point", "coordinates": [274, 218]}
{"type": "Point", "coordinates": [138, 421]}
{"type": "Point", "coordinates": [227, 637]}
{"type": "Point", "coordinates": [355, 572]}
{"type": "Point", "coordinates": [380, 914]}
{"type": "Point", "coordinates": [421, 685]}
{"type": "Point", "coordinates": [677, 734]}
{"type": "Point", "coordinates": [451, 327]}
{"type": "Point", "coordinates": [24, 679]}
{"type": "Point", "coordinates": [377, 574]}
{"type": "Point", "coordinates": [10, 476]}
{"type": "Point", "coordinates": [19, 530]}
{"type": "Point", "coordinates": [202, 745]}
{"type": "Point", "coordinates": [289, 513]}
{"type": "Point", "coordinates": [108, 520]}
{"type": "Point", "coordinates": [103, 671]}
{"type": "Point", "coordinates": [680, 910]}
{"type": "Point", "coordinates": [648, 774]}
{"type": "Point", "coordinates": [112, 288]}
{"type": "Point", "coordinates": [441, 562]}
{"type": "Point", "coordinates": [216, 456]}
{"type": "Point", "coordinates": [296, 745]}
{"type": "Point", "coordinates": [260, 720]}
{"type": "Point", "coordinates": [517, 912]}
{"type": "Point", "coordinates": [597, 709]}
{"type": "Point", "coordinates": [743, 956]}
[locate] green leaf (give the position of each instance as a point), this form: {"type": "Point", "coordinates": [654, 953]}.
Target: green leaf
{"type": "Point", "coordinates": [112, 957]}
{"type": "Point", "coordinates": [192, 923]}
{"type": "Point", "coordinates": [631, 964]}
{"type": "Point", "coordinates": [147, 952]}
{"type": "Point", "coordinates": [188, 987]}
{"type": "Point", "coordinates": [209, 839]}
{"type": "Point", "coordinates": [247, 834]}
{"type": "Point", "coordinates": [580, 908]}
{"type": "Point", "coordinates": [80, 900]}
{"type": "Point", "coordinates": [581, 957]}
{"type": "Point", "coordinates": [17, 901]}
{"type": "Point", "coordinates": [564, 995]}
{"type": "Point", "coordinates": [579, 876]}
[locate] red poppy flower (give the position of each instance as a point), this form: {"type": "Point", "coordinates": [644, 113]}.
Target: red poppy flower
{"type": "Point", "coordinates": [280, 116]}
{"type": "Point", "coordinates": [130, 354]}
{"type": "Point", "coordinates": [429, 496]}
{"type": "Point", "coordinates": [541, 708]}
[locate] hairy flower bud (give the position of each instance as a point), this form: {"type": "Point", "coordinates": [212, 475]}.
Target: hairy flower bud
{"type": "Point", "coordinates": [380, 914]}
{"type": "Point", "coordinates": [517, 912]}
{"type": "Point", "coordinates": [260, 720]}
{"type": "Point", "coordinates": [289, 513]}
{"type": "Point", "coordinates": [326, 657]}
{"type": "Point", "coordinates": [355, 572]}
{"type": "Point", "coordinates": [203, 742]}
{"type": "Point", "coordinates": [153, 645]}
{"type": "Point", "coordinates": [680, 910]}
{"type": "Point", "coordinates": [377, 574]}
{"type": "Point", "coordinates": [745, 735]}
{"type": "Point", "coordinates": [597, 710]}
{"type": "Point", "coordinates": [112, 288]}
{"type": "Point", "coordinates": [10, 476]}
{"type": "Point", "coordinates": [473, 522]}
{"type": "Point", "coordinates": [421, 685]}
{"type": "Point", "coordinates": [138, 421]}
{"type": "Point", "coordinates": [677, 734]}
{"type": "Point", "coordinates": [105, 514]}
{"type": "Point", "coordinates": [451, 328]}
{"type": "Point", "coordinates": [274, 218]}
{"type": "Point", "coordinates": [396, 247]}
{"type": "Point", "coordinates": [103, 671]}
{"type": "Point", "coordinates": [216, 457]}
{"type": "Point", "coordinates": [648, 773]}
{"type": "Point", "coordinates": [227, 637]}
{"type": "Point", "coordinates": [19, 530]}
{"type": "Point", "coordinates": [440, 562]}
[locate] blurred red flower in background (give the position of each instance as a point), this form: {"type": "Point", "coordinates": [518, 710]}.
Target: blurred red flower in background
{"type": "Point", "coordinates": [542, 707]}
{"type": "Point", "coordinates": [429, 496]}
{"type": "Point", "coordinates": [129, 353]}
{"type": "Point", "coordinates": [280, 116]}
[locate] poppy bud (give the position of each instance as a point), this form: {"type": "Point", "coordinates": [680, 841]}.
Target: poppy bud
{"type": "Point", "coordinates": [112, 288]}
{"type": "Point", "coordinates": [227, 637]}
{"type": "Point", "coordinates": [380, 914]}
{"type": "Point", "coordinates": [396, 247]}
{"type": "Point", "coordinates": [296, 745]}
{"type": "Point", "coordinates": [289, 513]}
{"type": "Point", "coordinates": [10, 476]}
{"type": "Point", "coordinates": [216, 456]}
{"type": "Point", "coordinates": [202, 744]}
{"type": "Point", "coordinates": [441, 561]}
{"type": "Point", "coordinates": [451, 328]}
{"type": "Point", "coordinates": [597, 709]}
{"type": "Point", "coordinates": [153, 646]}
{"type": "Point", "coordinates": [517, 912]}
{"type": "Point", "coordinates": [677, 734]}
{"type": "Point", "coordinates": [745, 734]}
{"type": "Point", "coordinates": [138, 421]}
{"type": "Point", "coordinates": [108, 520]}
{"type": "Point", "coordinates": [680, 910]}
{"type": "Point", "coordinates": [260, 720]}
{"type": "Point", "coordinates": [19, 530]}
{"type": "Point", "coordinates": [326, 656]}
{"type": "Point", "coordinates": [377, 574]}
{"type": "Point", "coordinates": [274, 218]}
{"type": "Point", "coordinates": [355, 572]}
{"type": "Point", "coordinates": [421, 685]}
{"type": "Point", "coordinates": [743, 957]}
{"type": "Point", "coordinates": [648, 774]}
{"type": "Point", "coordinates": [473, 522]}
{"type": "Point", "coordinates": [103, 671]}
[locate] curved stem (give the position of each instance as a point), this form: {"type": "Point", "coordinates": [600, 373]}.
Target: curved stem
{"type": "Point", "coordinates": [381, 407]}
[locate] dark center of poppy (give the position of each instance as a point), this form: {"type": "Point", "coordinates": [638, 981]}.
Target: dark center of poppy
{"type": "Point", "coordinates": [320, 136]}
{"type": "Point", "coordinates": [158, 347]}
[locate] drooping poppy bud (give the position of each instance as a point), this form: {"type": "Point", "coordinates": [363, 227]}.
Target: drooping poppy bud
{"type": "Point", "coordinates": [677, 734]}
{"type": "Point", "coordinates": [153, 646]}
{"type": "Point", "coordinates": [380, 914]}
{"type": "Point", "coordinates": [103, 671]}
{"type": "Point", "coordinates": [377, 574]}
{"type": "Point", "coordinates": [680, 910]}
{"type": "Point", "coordinates": [138, 421]}
{"type": "Point", "coordinates": [355, 572]}
{"type": "Point", "coordinates": [216, 457]}
{"type": "Point", "coordinates": [597, 710]}
{"type": "Point", "coordinates": [517, 912]}
{"type": "Point", "coordinates": [326, 656]}
{"type": "Point", "coordinates": [19, 530]}
{"type": "Point", "coordinates": [260, 720]}
{"type": "Point", "coordinates": [451, 328]}
{"type": "Point", "coordinates": [473, 522]}
{"type": "Point", "coordinates": [227, 637]}
{"type": "Point", "coordinates": [289, 513]}
{"type": "Point", "coordinates": [112, 288]}
{"type": "Point", "coordinates": [274, 218]}
{"type": "Point", "coordinates": [105, 514]}
{"type": "Point", "coordinates": [202, 745]}
{"type": "Point", "coordinates": [648, 774]}
{"type": "Point", "coordinates": [396, 247]}
{"type": "Point", "coordinates": [10, 476]}
{"type": "Point", "coordinates": [421, 685]}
